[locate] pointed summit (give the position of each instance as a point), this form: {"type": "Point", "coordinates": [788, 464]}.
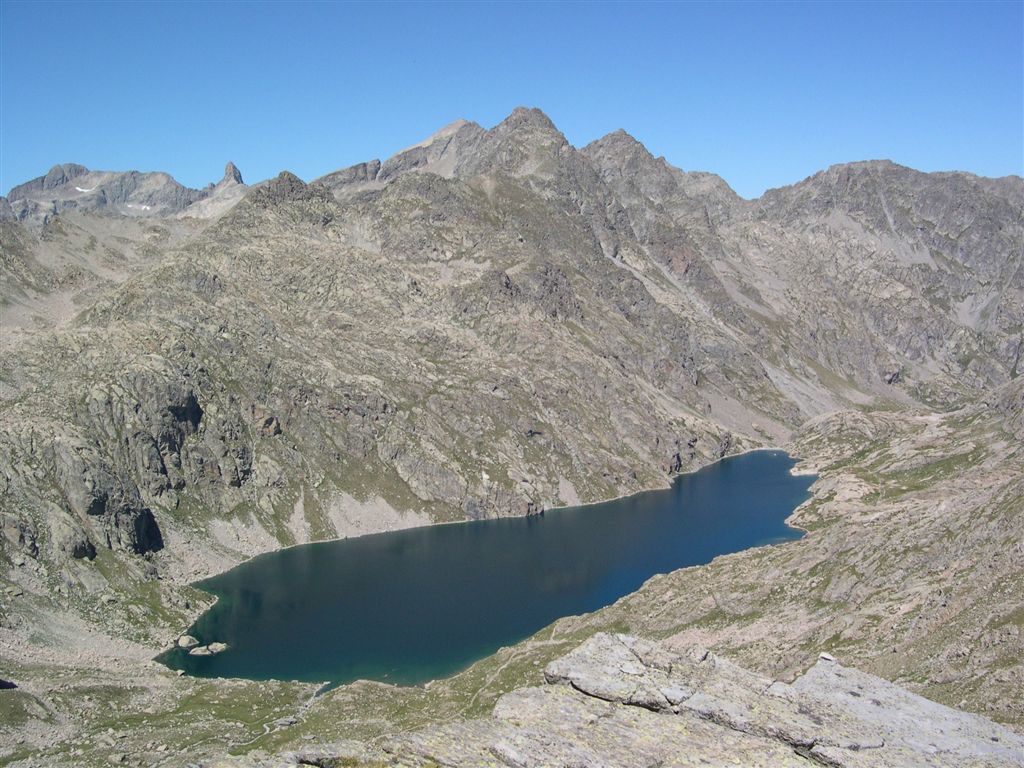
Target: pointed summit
{"type": "Point", "coordinates": [524, 143]}
{"type": "Point", "coordinates": [232, 174]}
{"type": "Point", "coordinates": [630, 168]}
{"type": "Point", "coordinates": [620, 136]}
{"type": "Point", "coordinates": [532, 116]}
{"type": "Point", "coordinates": [285, 186]}
{"type": "Point", "coordinates": [531, 124]}
{"type": "Point", "coordinates": [619, 155]}
{"type": "Point", "coordinates": [621, 146]}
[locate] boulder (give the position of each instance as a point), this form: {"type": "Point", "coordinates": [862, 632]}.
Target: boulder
{"type": "Point", "coordinates": [270, 426]}
{"type": "Point", "coordinates": [21, 533]}
{"type": "Point", "coordinates": [71, 539]}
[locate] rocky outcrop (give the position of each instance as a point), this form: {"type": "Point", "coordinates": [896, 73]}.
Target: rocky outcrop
{"type": "Point", "coordinates": [831, 714]}
{"type": "Point", "coordinates": [98, 499]}
{"type": "Point", "coordinates": [231, 175]}
{"type": "Point", "coordinates": [70, 538]}
{"type": "Point", "coordinates": [622, 701]}
{"type": "Point", "coordinates": [20, 533]}
{"type": "Point", "coordinates": [1010, 404]}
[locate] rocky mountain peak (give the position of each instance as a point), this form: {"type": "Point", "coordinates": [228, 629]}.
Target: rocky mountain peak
{"type": "Point", "coordinates": [882, 193]}
{"type": "Point", "coordinates": [619, 139]}
{"type": "Point", "coordinates": [526, 143]}
{"type": "Point", "coordinates": [528, 115]}
{"type": "Point", "coordinates": [70, 186]}
{"type": "Point", "coordinates": [618, 149]}
{"type": "Point", "coordinates": [630, 168]}
{"type": "Point", "coordinates": [870, 172]}
{"type": "Point", "coordinates": [626, 164]}
{"type": "Point", "coordinates": [285, 183]}
{"type": "Point", "coordinates": [56, 177]}
{"type": "Point", "coordinates": [530, 125]}
{"type": "Point", "coordinates": [62, 174]}
{"type": "Point", "coordinates": [232, 174]}
{"type": "Point", "coordinates": [292, 196]}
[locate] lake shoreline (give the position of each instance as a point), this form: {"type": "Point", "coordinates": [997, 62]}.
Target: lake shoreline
{"type": "Point", "coordinates": [438, 581]}
{"type": "Point", "coordinates": [171, 643]}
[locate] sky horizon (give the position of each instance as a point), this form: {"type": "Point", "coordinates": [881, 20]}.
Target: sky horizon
{"type": "Point", "coordinates": [762, 95]}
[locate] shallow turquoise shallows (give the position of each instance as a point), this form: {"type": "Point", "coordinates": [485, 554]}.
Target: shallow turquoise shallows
{"type": "Point", "coordinates": [419, 604]}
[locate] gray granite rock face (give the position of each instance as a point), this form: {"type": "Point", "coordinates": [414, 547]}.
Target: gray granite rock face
{"type": "Point", "coordinates": [232, 174]}
{"type": "Point", "coordinates": [72, 187]}
{"type": "Point", "coordinates": [621, 701]}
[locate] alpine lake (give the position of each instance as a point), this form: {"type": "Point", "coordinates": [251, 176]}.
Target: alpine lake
{"type": "Point", "coordinates": [409, 606]}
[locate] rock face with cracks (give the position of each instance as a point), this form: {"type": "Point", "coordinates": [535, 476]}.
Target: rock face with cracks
{"type": "Point", "coordinates": [620, 701]}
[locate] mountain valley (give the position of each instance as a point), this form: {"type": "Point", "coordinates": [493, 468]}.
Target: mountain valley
{"type": "Point", "coordinates": [495, 323]}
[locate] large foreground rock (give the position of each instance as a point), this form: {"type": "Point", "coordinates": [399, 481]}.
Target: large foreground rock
{"type": "Point", "coordinates": [621, 701]}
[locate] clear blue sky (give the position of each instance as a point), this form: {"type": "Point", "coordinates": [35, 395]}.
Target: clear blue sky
{"type": "Point", "coordinates": [762, 94]}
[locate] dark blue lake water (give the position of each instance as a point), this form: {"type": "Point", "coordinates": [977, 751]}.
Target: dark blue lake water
{"type": "Point", "coordinates": [414, 605]}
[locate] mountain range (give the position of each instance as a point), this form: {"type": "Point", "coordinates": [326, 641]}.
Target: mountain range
{"type": "Point", "coordinates": [495, 323]}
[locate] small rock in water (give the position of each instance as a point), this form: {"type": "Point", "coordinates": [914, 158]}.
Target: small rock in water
{"type": "Point", "coordinates": [187, 641]}
{"type": "Point", "coordinates": [201, 650]}
{"type": "Point", "coordinates": [217, 647]}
